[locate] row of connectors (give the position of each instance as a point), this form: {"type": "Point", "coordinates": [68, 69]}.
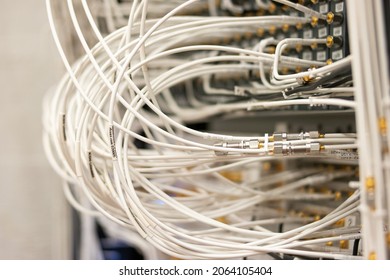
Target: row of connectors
{"type": "Point", "coordinates": [333, 27]}
{"type": "Point", "coordinates": [282, 146]}
{"type": "Point", "coordinates": [287, 149]}
{"type": "Point", "coordinates": [278, 144]}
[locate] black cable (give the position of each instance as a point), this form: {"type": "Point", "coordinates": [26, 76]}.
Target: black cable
{"type": "Point", "coordinates": [339, 82]}
{"type": "Point", "coordinates": [355, 247]}
{"type": "Point", "coordinates": [264, 97]}
{"type": "Point", "coordinates": [281, 228]}
{"type": "Point", "coordinates": [345, 74]}
{"type": "Point", "coordinates": [275, 256]}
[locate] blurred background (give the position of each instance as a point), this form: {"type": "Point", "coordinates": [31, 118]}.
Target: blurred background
{"type": "Point", "coordinates": [33, 213]}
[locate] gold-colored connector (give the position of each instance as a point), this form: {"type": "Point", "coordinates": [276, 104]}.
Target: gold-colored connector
{"type": "Point", "coordinates": [329, 243]}
{"type": "Point", "coordinates": [272, 8]}
{"type": "Point", "coordinates": [234, 176]}
{"type": "Point", "coordinates": [266, 166]}
{"type": "Point", "coordinates": [285, 27]}
{"type": "Point", "coordinates": [301, 214]}
{"type": "Point", "coordinates": [317, 217]}
{"type": "Point", "coordinates": [322, 148]}
{"type": "Point", "coordinates": [248, 35]}
{"type": "Point", "coordinates": [299, 25]}
{"type": "Point", "coordinates": [314, 45]}
{"type": "Point", "coordinates": [382, 126]}
{"type": "Point", "coordinates": [260, 12]}
{"type": "Point", "coordinates": [260, 32]}
{"type": "Point", "coordinates": [329, 17]}
{"type": "Point", "coordinates": [222, 220]}
{"type": "Point", "coordinates": [299, 48]}
{"type": "Point", "coordinates": [357, 172]}
{"type": "Point", "coordinates": [388, 239]}
{"type": "Point", "coordinates": [298, 69]}
{"type": "Point", "coordinates": [314, 1]}
{"type": "Point", "coordinates": [347, 168]}
{"type": "Point", "coordinates": [329, 61]}
{"type": "Point", "coordinates": [272, 30]}
{"type": "Point", "coordinates": [340, 223]}
{"type": "Point", "coordinates": [329, 41]}
{"type": "Point", "coordinates": [344, 244]}
{"type": "Point", "coordinates": [370, 184]}
{"type": "Point", "coordinates": [286, 50]}
{"type": "Point", "coordinates": [279, 166]}
{"type": "Point", "coordinates": [314, 21]}
{"type": "Point", "coordinates": [306, 79]}
{"type": "Point", "coordinates": [337, 195]}
{"type": "Point", "coordinates": [284, 70]}
{"type": "Point", "coordinates": [237, 37]}
{"type": "Point", "coordinates": [372, 256]}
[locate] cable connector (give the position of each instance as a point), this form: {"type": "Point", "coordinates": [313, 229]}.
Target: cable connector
{"type": "Point", "coordinates": [286, 149]}
{"type": "Point", "coordinates": [247, 144]}
{"type": "Point", "coordinates": [306, 79]}
{"type": "Point", "coordinates": [282, 136]}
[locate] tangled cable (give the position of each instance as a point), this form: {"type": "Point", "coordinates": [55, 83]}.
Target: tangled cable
{"type": "Point", "coordinates": [118, 128]}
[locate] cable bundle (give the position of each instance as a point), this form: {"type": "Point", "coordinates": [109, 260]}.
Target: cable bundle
{"type": "Point", "coordinates": [118, 127]}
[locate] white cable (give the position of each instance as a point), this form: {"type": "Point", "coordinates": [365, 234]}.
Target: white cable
{"type": "Point", "coordinates": [123, 91]}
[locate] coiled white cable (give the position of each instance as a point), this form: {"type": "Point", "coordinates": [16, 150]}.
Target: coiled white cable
{"type": "Point", "coordinates": [178, 181]}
